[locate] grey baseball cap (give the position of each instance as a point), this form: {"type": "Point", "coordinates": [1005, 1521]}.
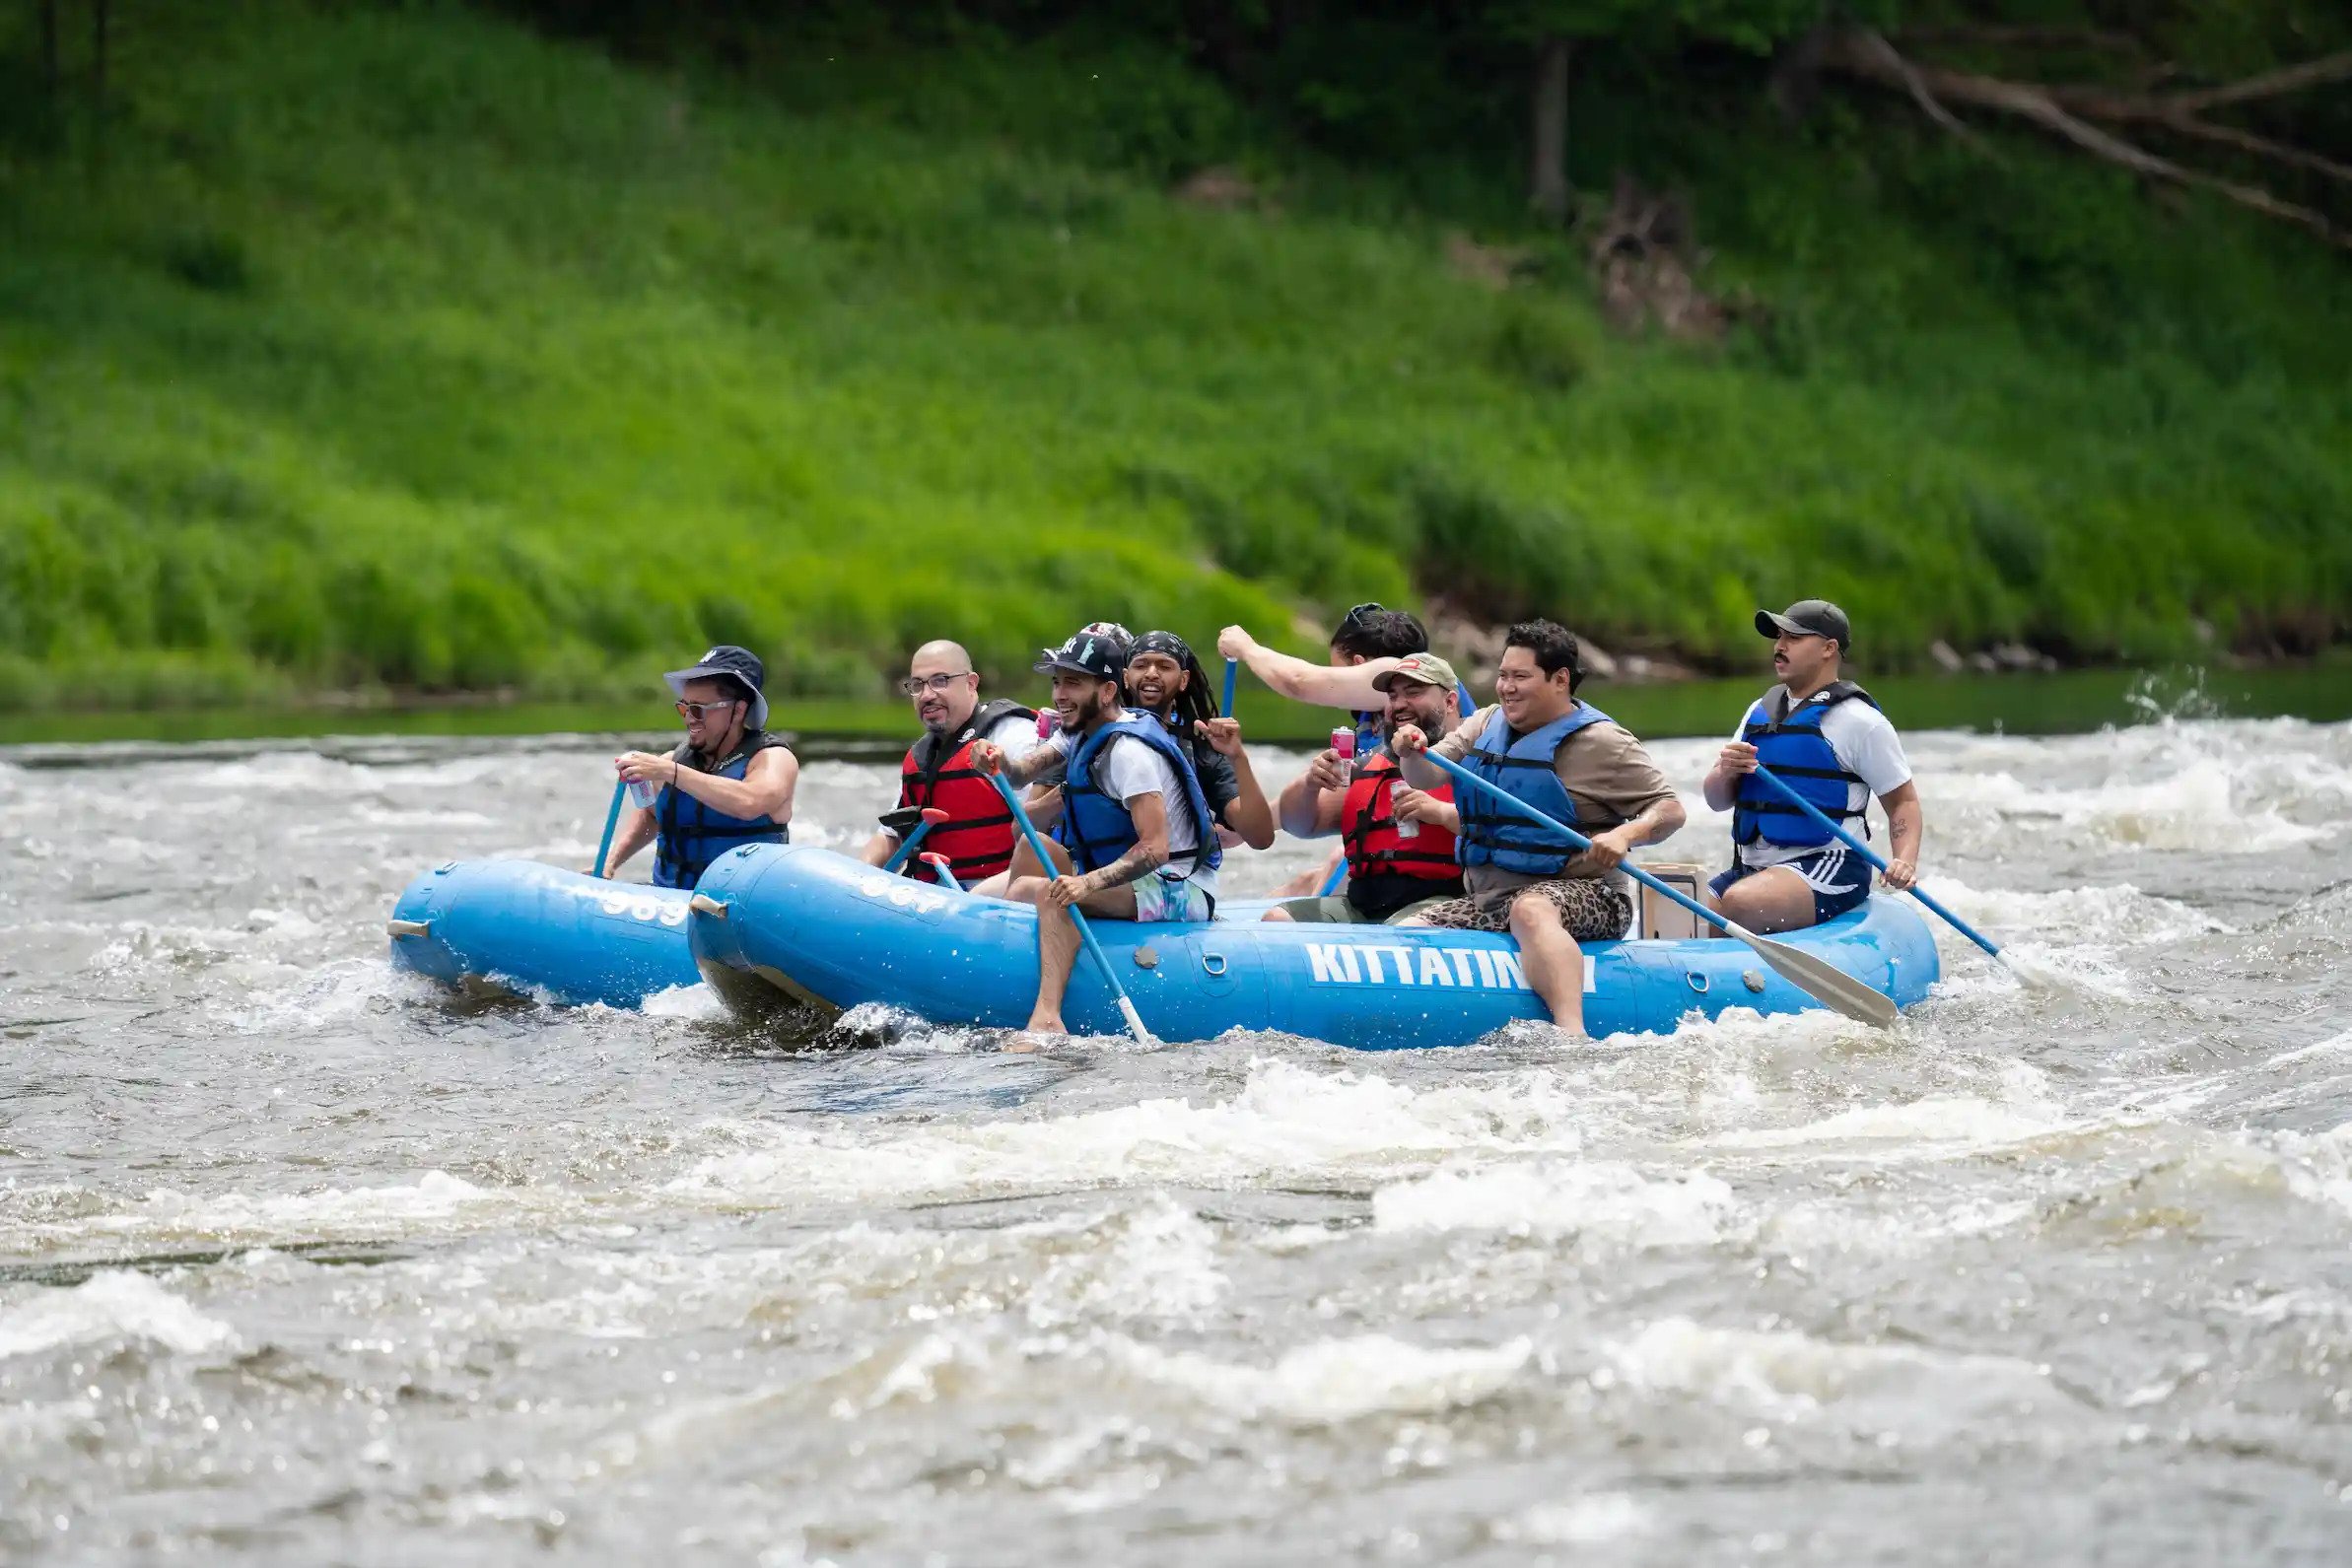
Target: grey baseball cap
{"type": "Point", "coordinates": [1810, 618]}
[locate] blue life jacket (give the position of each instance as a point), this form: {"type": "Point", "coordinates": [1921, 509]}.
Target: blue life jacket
{"type": "Point", "coordinates": [692, 833]}
{"type": "Point", "coordinates": [1494, 835]}
{"type": "Point", "coordinates": [1792, 745]}
{"type": "Point", "coordinates": [1096, 829]}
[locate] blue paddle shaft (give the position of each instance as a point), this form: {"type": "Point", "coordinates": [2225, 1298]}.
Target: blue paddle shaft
{"type": "Point", "coordinates": [612, 820]}
{"type": "Point", "coordinates": [1463, 774]}
{"type": "Point", "coordinates": [1339, 874]}
{"type": "Point", "coordinates": [1232, 670]}
{"type": "Point", "coordinates": [1822, 818]}
{"type": "Point", "coordinates": [905, 846]}
{"type": "Point", "coordinates": [1078, 916]}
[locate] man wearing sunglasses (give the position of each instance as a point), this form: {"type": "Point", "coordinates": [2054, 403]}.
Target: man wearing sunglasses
{"type": "Point", "coordinates": [731, 783]}
{"type": "Point", "coordinates": [1370, 641]}
{"type": "Point", "coordinates": [978, 835]}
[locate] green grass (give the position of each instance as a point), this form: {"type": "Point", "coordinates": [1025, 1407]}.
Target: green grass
{"type": "Point", "coordinates": [398, 348]}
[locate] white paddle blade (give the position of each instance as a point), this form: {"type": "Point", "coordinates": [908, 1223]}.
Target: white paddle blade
{"type": "Point", "coordinates": [1821, 980]}
{"type": "Point", "coordinates": [1135, 1022]}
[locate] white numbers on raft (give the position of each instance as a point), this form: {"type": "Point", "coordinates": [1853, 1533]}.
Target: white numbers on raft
{"type": "Point", "coordinates": [665, 912]}
{"type": "Point", "coordinates": [1476, 968]}
{"type": "Point", "coordinates": [903, 894]}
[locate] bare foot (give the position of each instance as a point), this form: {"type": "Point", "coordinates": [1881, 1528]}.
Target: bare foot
{"type": "Point", "coordinates": [1041, 1031]}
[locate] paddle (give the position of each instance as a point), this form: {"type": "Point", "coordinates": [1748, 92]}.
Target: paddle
{"type": "Point", "coordinates": [612, 820]}
{"type": "Point", "coordinates": [1339, 874]}
{"type": "Point", "coordinates": [1823, 982]}
{"type": "Point", "coordinates": [1078, 916]}
{"type": "Point", "coordinates": [1860, 848]}
{"type": "Point", "coordinates": [942, 871]}
{"type": "Point", "coordinates": [1232, 670]}
{"type": "Point", "coordinates": [933, 816]}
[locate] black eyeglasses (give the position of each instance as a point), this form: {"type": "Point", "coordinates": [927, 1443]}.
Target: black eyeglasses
{"type": "Point", "coordinates": [1355, 616]}
{"type": "Point", "coordinates": [917, 685]}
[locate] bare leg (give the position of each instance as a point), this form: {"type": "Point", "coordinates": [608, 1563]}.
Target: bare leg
{"type": "Point", "coordinates": [1278, 912]}
{"type": "Point", "coordinates": [1554, 964]}
{"type": "Point", "coordinates": [1775, 900]}
{"type": "Point", "coordinates": [1024, 864]}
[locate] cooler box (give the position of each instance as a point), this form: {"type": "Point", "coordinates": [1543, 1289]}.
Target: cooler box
{"type": "Point", "coordinates": [1661, 918]}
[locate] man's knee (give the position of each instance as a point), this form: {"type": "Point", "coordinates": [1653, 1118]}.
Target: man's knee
{"type": "Point", "coordinates": [1026, 889]}
{"type": "Point", "coordinates": [1534, 914]}
{"type": "Point", "coordinates": [1278, 912]}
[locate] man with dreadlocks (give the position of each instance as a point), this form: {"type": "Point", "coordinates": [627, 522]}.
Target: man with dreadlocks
{"type": "Point", "coordinates": [1165, 680]}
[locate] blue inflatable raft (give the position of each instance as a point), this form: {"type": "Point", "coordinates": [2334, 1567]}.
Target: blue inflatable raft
{"type": "Point", "coordinates": [541, 932]}
{"type": "Point", "coordinates": [822, 927]}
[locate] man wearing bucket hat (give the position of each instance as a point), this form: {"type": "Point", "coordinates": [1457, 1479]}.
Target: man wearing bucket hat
{"type": "Point", "coordinates": [1823, 738]}
{"type": "Point", "coordinates": [729, 782]}
{"type": "Point", "coordinates": [1141, 840]}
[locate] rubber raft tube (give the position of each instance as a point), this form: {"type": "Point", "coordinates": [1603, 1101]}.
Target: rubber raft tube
{"type": "Point", "coordinates": [540, 932]}
{"type": "Point", "coordinates": [829, 929]}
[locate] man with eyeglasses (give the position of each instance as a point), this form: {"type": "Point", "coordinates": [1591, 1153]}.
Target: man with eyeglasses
{"type": "Point", "coordinates": [977, 839]}
{"type": "Point", "coordinates": [1545, 745]}
{"type": "Point", "coordinates": [730, 783]}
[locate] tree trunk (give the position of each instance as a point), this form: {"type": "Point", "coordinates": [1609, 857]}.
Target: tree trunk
{"type": "Point", "coordinates": [1547, 152]}
{"type": "Point", "coordinates": [49, 47]}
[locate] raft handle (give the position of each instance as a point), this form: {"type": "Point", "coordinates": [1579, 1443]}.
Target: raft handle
{"type": "Point", "coordinates": [1214, 963]}
{"type": "Point", "coordinates": [707, 904]}
{"type": "Point", "coordinates": [409, 927]}
{"type": "Point", "coordinates": [1698, 981]}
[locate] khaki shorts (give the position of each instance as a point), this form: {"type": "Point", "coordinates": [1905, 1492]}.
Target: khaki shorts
{"type": "Point", "coordinates": [1337, 911]}
{"type": "Point", "coordinates": [1590, 909]}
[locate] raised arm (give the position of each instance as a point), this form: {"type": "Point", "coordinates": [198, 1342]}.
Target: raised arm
{"type": "Point", "coordinates": [1249, 814]}
{"type": "Point", "coordinates": [1323, 685]}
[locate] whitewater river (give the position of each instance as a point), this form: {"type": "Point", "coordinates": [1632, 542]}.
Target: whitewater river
{"type": "Point", "coordinates": [302, 1264]}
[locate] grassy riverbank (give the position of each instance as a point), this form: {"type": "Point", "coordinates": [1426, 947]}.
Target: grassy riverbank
{"type": "Point", "coordinates": [401, 348]}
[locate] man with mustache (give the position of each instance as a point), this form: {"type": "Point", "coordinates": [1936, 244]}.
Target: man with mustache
{"type": "Point", "coordinates": [1141, 843]}
{"type": "Point", "coordinates": [1825, 737]}
{"type": "Point", "coordinates": [730, 783]}
{"type": "Point", "coordinates": [977, 839]}
{"type": "Point", "coordinates": [1399, 841]}
{"type": "Point", "coordinates": [1165, 680]}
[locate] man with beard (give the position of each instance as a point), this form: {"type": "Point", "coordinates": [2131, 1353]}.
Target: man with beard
{"type": "Point", "coordinates": [730, 783]}
{"type": "Point", "coordinates": [1543, 744]}
{"type": "Point", "coordinates": [977, 839]}
{"type": "Point", "coordinates": [1826, 738]}
{"type": "Point", "coordinates": [1142, 843]}
{"type": "Point", "coordinates": [1165, 680]}
{"type": "Point", "coordinates": [1399, 841]}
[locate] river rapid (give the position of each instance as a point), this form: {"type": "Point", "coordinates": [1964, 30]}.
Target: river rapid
{"type": "Point", "coordinates": [303, 1263]}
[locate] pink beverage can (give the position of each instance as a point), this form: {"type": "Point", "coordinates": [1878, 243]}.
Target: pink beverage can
{"type": "Point", "coordinates": [1405, 830]}
{"type": "Point", "coordinates": [1342, 742]}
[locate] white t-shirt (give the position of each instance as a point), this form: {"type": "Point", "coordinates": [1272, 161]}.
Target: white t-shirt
{"type": "Point", "coordinates": [1866, 745]}
{"type": "Point", "coordinates": [1013, 734]}
{"type": "Point", "coordinates": [1130, 768]}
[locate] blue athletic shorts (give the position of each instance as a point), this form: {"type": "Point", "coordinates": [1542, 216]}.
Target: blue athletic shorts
{"type": "Point", "coordinates": [1838, 877]}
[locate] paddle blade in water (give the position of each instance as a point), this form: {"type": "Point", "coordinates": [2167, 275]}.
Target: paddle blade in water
{"type": "Point", "coordinates": [1829, 985]}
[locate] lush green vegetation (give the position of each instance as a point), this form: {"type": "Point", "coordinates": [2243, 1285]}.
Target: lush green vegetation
{"type": "Point", "coordinates": [402, 345]}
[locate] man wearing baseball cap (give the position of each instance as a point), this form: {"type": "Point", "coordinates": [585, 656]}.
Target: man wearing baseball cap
{"type": "Point", "coordinates": [1825, 737]}
{"type": "Point", "coordinates": [1399, 841]}
{"type": "Point", "coordinates": [1141, 841]}
{"type": "Point", "coordinates": [729, 782]}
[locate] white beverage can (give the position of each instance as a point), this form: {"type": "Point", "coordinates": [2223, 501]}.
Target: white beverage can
{"type": "Point", "coordinates": [1405, 830]}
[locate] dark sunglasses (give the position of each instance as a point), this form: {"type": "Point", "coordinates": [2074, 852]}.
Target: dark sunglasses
{"type": "Point", "coordinates": [1356, 617]}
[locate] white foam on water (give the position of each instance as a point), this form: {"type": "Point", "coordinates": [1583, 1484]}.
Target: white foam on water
{"type": "Point", "coordinates": [344, 1211]}
{"type": "Point", "coordinates": [114, 1305]}
{"type": "Point", "coordinates": [695, 1003]}
{"type": "Point", "coordinates": [1601, 1202]}
{"type": "Point", "coordinates": [2332, 1046]}
{"type": "Point", "coordinates": [1579, 1522]}
{"type": "Point", "coordinates": [1932, 1127]}
{"type": "Point", "coordinates": [1287, 1121]}
{"type": "Point", "coordinates": [2318, 1165]}
{"type": "Point", "coordinates": [1159, 1264]}
{"type": "Point", "coordinates": [2119, 913]}
{"type": "Point", "coordinates": [1331, 1381]}
{"type": "Point", "coordinates": [1789, 1374]}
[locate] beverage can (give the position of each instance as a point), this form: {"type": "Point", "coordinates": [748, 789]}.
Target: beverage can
{"type": "Point", "coordinates": [1405, 830]}
{"type": "Point", "coordinates": [1342, 742]}
{"type": "Point", "coordinates": [643, 793]}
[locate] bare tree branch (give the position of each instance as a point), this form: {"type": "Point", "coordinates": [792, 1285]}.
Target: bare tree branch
{"type": "Point", "coordinates": [1891, 60]}
{"type": "Point", "coordinates": [2270, 84]}
{"type": "Point", "coordinates": [1871, 57]}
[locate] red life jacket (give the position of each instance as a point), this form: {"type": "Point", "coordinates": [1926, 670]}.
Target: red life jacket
{"type": "Point", "coordinates": [1368, 830]}
{"type": "Point", "coordinates": [977, 837]}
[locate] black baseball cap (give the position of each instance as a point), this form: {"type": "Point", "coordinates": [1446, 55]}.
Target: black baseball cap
{"type": "Point", "coordinates": [1095, 654]}
{"type": "Point", "coordinates": [1810, 618]}
{"type": "Point", "coordinates": [728, 662]}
